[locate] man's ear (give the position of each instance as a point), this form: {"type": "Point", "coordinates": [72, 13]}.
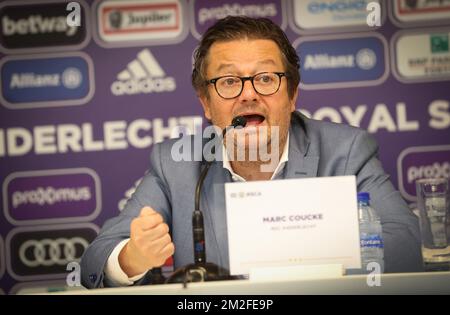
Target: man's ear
{"type": "Point", "coordinates": [293, 100]}
{"type": "Point", "coordinates": [204, 100]}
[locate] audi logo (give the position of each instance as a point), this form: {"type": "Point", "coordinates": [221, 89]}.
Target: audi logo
{"type": "Point", "coordinates": [48, 252]}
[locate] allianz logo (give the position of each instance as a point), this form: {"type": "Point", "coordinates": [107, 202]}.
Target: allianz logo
{"type": "Point", "coordinates": [37, 24]}
{"type": "Point", "coordinates": [143, 75]}
{"type": "Point", "coordinates": [365, 59]}
{"type": "Point", "coordinates": [317, 7]}
{"type": "Point", "coordinates": [70, 78]}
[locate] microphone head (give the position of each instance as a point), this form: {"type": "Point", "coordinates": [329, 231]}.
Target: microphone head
{"type": "Point", "coordinates": [239, 121]}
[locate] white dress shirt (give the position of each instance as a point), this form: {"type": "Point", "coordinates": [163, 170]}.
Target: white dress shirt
{"type": "Point", "coordinates": [237, 178]}
{"type": "Point", "coordinates": [114, 272]}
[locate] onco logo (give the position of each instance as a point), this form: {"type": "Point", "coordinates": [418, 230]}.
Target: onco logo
{"type": "Point", "coordinates": [312, 16]}
{"type": "Point", "coordinates": [44, 252]}
{"type": "Point", "coordinates": [48, 252]}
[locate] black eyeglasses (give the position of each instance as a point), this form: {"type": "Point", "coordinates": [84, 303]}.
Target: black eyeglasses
{"type": "Point", "coordinates": [264, 83]}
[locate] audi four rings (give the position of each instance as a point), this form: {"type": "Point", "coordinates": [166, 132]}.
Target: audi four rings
{"type": "Point", "coordinates": [48, 252]}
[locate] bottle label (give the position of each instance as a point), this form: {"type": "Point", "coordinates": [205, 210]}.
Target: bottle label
{"type": "Point", "coordinates": [372, 241]}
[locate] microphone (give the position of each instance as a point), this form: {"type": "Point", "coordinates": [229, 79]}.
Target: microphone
{"type": "Point", "coordinates": [238, 121]}
{"type": "Point", "coordinates": [198, 228]}
{"type": "Point", "coordinates": [201, 270]}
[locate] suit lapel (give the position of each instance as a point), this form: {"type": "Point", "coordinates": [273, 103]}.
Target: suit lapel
{"type": "Point", "coordinates": [302, 168]}
{"type": "Point", "coordinates": [213, 207]}
{"type": "Point", "coordinates": [301, 162]}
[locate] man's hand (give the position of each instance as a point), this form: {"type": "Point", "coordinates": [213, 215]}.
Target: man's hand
{"type": "Point", "coordinates": [150, 244]}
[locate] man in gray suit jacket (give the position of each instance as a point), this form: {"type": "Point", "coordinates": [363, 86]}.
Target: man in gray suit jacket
{"type": "Point", "coordinates": [243, 67]}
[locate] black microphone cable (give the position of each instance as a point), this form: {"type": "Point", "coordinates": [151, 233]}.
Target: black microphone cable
{"type": "Point", "coordinates": [198, 227]}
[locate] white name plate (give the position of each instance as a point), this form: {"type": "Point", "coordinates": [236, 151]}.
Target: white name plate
{"type": "Point", "coordinates": [311, 221]}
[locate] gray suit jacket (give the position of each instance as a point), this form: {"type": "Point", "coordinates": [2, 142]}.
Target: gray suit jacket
{"type": "Point", "coordinates": [316, 149]}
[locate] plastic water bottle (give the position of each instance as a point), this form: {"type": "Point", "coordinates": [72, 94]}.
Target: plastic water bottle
{"type": "Point", "coordinates": [370, 233]}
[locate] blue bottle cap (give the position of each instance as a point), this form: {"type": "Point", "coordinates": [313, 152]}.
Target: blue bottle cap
{"type": "Point", "coordinates": [363, 196]}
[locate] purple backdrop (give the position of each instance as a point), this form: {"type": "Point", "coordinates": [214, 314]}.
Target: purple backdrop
{"type": "Point", "coordinates": [80, 106]}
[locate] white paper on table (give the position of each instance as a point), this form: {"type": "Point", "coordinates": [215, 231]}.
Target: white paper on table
{"type": "Point", "coordinates": [292, 221]}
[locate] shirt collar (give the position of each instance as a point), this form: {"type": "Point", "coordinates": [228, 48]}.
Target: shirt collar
{"type": "Point", "coordinates": [278, 169]}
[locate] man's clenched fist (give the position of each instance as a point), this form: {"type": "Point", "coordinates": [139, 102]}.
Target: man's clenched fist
{"type": "Point", "coordinates": [150, 244]}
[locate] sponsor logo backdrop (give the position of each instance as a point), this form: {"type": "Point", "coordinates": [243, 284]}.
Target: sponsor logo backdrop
{"type": "Point", "coordinates": [81, 107]}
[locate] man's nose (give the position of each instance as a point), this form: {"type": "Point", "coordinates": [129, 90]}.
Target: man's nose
{"type": "Point", "coordinates": [248, 92]}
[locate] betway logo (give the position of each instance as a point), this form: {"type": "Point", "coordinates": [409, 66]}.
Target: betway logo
{"type": "Point", "coordinates": [143, 75]}
{"type": "Point", "coordinates": [36, 24]}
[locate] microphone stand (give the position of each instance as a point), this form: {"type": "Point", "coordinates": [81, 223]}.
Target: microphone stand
{"type": "Point", "coordinates": [201, 270]}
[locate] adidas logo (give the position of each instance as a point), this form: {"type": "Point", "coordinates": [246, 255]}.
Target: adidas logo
{"type": "Point", "coordinates": [143, 75]}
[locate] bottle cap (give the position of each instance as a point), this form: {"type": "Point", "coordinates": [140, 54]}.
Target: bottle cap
{"type": "Point", "coordinates": [363, 196]}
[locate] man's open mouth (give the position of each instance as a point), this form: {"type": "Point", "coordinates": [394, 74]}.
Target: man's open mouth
{"type": "Point", "coordinates": [254, 119]}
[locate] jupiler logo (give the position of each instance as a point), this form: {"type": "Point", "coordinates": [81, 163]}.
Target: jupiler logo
{"type": "Point", "coordinates": [117, 20]}
{"type": "Point", "coordinates": [143, 75]}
